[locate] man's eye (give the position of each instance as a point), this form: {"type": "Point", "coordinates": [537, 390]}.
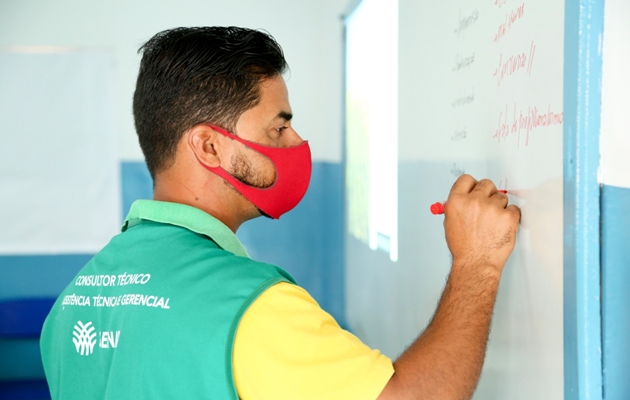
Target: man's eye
{"type": "Point", "coordinates": [279, 130]}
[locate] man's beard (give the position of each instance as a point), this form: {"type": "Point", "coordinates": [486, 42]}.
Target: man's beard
{"type": "Point", "coordinates": [242, 170]}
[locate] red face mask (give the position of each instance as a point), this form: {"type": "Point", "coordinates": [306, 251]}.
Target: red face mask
{"type": "Point", "coordinates": [293, 174]}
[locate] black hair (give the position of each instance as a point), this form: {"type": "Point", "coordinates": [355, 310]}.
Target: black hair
{"type": "Point", "coordinates": [198, 75]}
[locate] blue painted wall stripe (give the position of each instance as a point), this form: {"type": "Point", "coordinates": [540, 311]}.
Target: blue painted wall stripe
{"type": "Point", "coordinates": [615, 292]}
{"type": "Point", "coordinates": [582, 109]}
{"type": "Point", "coordinates": [38, 275]}
{"type": "Point", "coordinates": [32, 276]}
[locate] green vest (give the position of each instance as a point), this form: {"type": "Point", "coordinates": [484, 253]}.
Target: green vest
{"type": "Point", "coordinates": [154, 314]}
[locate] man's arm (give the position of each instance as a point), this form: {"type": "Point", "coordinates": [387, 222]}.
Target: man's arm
{"type": "Point", "coordinates": [445, 361]}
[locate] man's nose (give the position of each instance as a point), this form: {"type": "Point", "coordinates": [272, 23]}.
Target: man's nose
{"type": "Point", "coordinates": [293, 138]}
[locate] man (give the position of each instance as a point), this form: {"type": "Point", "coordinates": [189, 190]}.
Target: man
{"type": "Point", "coordinates": [173, 307]}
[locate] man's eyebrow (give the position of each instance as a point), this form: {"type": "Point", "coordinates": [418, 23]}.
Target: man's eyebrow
{"type": "Point", "coordinates": [287, 116]}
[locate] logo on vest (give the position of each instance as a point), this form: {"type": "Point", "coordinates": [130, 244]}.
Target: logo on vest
{"type": "Point", "coordinates": [85, 337]}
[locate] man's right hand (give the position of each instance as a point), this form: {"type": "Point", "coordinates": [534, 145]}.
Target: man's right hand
{"type": "Point", "coordinates": [445, 362]}
{"type": "Point", "coordinates": [480, 229]}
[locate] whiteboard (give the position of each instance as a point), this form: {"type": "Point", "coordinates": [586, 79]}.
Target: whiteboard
{"type": "Point", "coordinates": [480, 92]}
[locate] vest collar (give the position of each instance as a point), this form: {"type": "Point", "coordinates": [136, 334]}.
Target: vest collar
{"type": "Point", "coordinates": [187, 217]}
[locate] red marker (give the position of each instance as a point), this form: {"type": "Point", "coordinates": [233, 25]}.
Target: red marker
{"type": "Point", "coordinates": [438, 208]}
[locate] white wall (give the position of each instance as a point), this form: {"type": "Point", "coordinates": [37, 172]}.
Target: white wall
{"type": "Point", "coordinates": [309, 31]}
{"type": "Point", "coordinates": [615, 139]}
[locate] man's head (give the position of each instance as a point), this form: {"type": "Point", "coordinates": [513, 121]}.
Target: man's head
{"type": "Point", "coordinates": [190, 76]}
{"type": "Point", "coordinates": [213, 117]}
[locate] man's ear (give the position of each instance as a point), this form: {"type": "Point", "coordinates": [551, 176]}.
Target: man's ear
{"type": "Point", "coordinates": [204, 143]}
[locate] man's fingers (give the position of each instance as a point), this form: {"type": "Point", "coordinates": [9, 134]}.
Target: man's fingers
{"type": "Point", "coordinates": [515, 211]}
{"type": "Point", "coordinates": [500, 198]}
{"type": "Point", "coordinates": [486, 187]}
{"type": "Point", "coordinates": [463, 185]}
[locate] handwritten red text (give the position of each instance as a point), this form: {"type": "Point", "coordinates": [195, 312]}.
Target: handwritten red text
{"type": "Point", "coordinates": [510, 18]}
{"type": "Point", "coordinates": [500, 3]}
{"type": "Point", "coordinates": [525, 121]}
{"type": "Point", "coordinates": [514, 63]}
{"type": "Point", "coordinates": [501, 187]}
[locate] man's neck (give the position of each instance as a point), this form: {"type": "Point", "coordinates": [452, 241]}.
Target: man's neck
{"type": "Point", "coordinates": [218, 203]}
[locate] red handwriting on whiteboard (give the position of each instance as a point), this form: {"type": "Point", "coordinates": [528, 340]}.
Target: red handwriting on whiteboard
{"type": "Point", "coordinates": [501, 187]}
{"type": "Point", "coordinates": [500, 3]}
{"type": "Point", "coordinates": [510, 18]}
{"type": "Point", "coordinates": [526, 122]}
{"type": "Point", "coordinates": [514, 63]}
